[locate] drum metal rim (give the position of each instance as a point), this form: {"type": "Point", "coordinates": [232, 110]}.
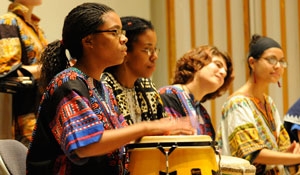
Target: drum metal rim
{"type": "Point", "coordinates": [170, 144]}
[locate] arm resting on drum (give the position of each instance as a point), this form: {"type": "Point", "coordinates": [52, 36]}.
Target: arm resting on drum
{"type": "Point", "coordinates": [270, 157]}
{"type": "Point", "coordinates": [114, 139]}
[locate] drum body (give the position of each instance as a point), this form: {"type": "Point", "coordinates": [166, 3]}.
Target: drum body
{"type": "Point", "coordinates": [236, 166]}
{"type": "Point", "coordinates": [176, 155]}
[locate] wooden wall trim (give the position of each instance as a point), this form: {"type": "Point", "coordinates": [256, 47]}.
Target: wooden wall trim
{"type": "Point", "coordinates": [171, 38]}
{"type": "Point", "coordinates": [211, 42]}
{"type": "Point", "coordinates": [228, 32]}
{"type": "Point", "coordinates": [247, 32]}
{"type": "Point", "coordinates": [192, 23]}
{"type": "Point", "coordinates": [284, 82]}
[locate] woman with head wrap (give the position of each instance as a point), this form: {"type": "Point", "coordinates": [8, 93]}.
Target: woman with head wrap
{"type": "Point", "coordinates": [79, 129]}
{"type": "Point", "coordinates": [136, 95]}
{"type": "Point", "coordinates": [251, 126]}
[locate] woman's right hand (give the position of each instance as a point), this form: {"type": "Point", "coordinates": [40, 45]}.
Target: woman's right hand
{"type": "Point", "coordinates": [170, 126]}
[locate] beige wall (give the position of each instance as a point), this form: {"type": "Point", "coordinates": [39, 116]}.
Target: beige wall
{"type": "Point", "coordinates": [53, 12]}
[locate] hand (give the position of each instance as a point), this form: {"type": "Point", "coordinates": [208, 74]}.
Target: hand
{"type": "Point", "coordinates": [170, 126]}
{"type": "Point", "coordinates": [294, 148]}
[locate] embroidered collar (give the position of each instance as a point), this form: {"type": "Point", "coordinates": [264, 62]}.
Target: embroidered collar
{"type": "Point", "coordinates": [22, 10]}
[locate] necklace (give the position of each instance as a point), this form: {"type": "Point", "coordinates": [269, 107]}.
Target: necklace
{"type": "Point", "coordinates": [133, 104]}
{"type": "Point", "coordinates": [265, 108]}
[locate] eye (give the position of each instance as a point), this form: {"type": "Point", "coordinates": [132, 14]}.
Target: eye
{"type": "Point", "coordinates": [115, 32]}
{"type": "Point", "coordinates": [273, 60]}
{"type": "Point", "coordinates": [218, 64]}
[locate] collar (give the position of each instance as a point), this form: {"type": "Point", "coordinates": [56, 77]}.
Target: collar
{"type": "Point", "coordinates": [22, 10]}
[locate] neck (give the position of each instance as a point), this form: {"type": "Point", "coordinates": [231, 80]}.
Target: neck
{"type": "Point", "coordinates": [197, 92]}
{"type": "Point", "coordinates": [256, 90]}
{"type": "Point", "coordinates": [91, 71]}
{"type": "Point", "coordinates": [125, 77]}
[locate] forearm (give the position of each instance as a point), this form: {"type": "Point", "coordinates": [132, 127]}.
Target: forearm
{"type": "Point", "coordinates": [112, 140]}
{"type": "Point", "coordinates": [270, 157]}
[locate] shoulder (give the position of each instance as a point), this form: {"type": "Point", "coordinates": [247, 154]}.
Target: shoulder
{"type": "Point", "coordinates": [171, 89]}
{"type": "Point", "coordinates": [237, 101]}
{"type": "Point", "coordinates": [108, 79]}
{"type": "Point", "coordinates": [9, 19]}
{"type": "Point", "coordinates": [65, 76]}
{"type": "Point", "coordinates": [145, 84]}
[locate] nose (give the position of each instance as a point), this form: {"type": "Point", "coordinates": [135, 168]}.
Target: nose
{"type": "Point", "coordinates": [123, 39]}
{"type": "Point", "coordinates": [223, 72]}
{"type": "Point", "coordinates": [154, 56]}
{"type": "Point", "coordinates": [278, 65]}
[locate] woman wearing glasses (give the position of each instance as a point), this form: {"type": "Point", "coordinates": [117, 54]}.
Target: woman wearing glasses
{"type": "Point", "coordinates": [136, 95]}
{"type": "Point", "coordinates": [201, 74]}
{"type": "Point", "coordinates": [251, 126]}
{"type": "Point", "coordinates": [79, 129]}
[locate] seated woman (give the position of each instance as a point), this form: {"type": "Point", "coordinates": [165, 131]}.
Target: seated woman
{"type": "Point", "coordinates": [201, 74]}
{"type": "Point", "coordinates": [137, 98]}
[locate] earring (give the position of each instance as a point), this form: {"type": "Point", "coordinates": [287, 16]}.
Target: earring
{"type": "Point", "coordinates": [278, 83]}
{"type": "Point", "coordinates": [254, 77]}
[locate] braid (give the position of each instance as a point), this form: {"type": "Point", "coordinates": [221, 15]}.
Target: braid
{"type": "Point", "coordinates": [80, 22]}
{"type": "Point", "coordinates": [53, 61]}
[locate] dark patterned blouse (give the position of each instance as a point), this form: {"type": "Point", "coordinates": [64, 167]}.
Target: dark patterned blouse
{"type": "Point", "coordinates": [141, 103]}
{"type": "Point", "coordinates": [179, 103]}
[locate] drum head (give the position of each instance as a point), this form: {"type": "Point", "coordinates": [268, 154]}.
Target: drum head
{"type": "Point", "coordinates": [169, 141]}
{"type": "Point", "coordinates": [236, 166]}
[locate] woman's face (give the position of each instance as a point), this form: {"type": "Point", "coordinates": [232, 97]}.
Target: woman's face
{"type": "Point", "coordinates": [109, 47]}
{"type": "Point", "coordinates": [141, 60]}
{"type": "Point", "coordinates": [212, 75]}
{"type": "Point", "coordinates": [268, 67]}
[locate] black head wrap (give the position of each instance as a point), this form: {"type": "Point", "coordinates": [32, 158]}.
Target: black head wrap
{"type": "Point", "coordinates": [257, 48]}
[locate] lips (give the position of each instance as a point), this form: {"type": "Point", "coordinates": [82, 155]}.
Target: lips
{"type": "Point", "coordinates": [124, 49]}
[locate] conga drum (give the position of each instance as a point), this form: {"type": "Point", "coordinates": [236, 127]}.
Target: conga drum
{"type": "Point", "coordinates": [173, 155]}
{"type": "Point", "coordinates": [235, 166]}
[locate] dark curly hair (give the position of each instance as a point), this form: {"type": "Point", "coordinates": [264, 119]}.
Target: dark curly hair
{"type": "Point", "coordinates": [196, 59]}
{"type": "Point", "coordinates": [81, 21]}
{"type": "Point", "coordinates": [134, 27]}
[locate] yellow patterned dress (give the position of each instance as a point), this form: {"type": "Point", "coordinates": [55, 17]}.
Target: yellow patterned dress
{"type": "Point", "coordinates": [245, 129]}
{"type": "Point", "coordinates": [21, 40]}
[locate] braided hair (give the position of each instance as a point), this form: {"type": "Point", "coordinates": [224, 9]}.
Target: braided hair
{"type": "Point", "coordinates": [81, 21]}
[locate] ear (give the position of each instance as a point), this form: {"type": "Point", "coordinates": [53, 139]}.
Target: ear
{"type": "Point", "coordinates": [251, 62]}
{"type": "Point", "coordinates": [87, 41]}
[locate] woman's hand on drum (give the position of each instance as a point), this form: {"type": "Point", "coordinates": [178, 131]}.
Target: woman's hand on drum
{"type": "Point", "coordinates": [167, 126]}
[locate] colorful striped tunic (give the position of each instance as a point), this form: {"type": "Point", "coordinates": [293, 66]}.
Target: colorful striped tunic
{"type": "Point", "coordinates": [178, 103]}
{"type": "Point", "coordinates": [77, 122]}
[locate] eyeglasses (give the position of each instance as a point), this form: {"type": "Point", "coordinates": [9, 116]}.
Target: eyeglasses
{"type": "Point", "coordinates": [116, 32]}
{"type": "Point", "coordinates": [151, 51]}
{"type": "Point", "coordinates": [273, 61]}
